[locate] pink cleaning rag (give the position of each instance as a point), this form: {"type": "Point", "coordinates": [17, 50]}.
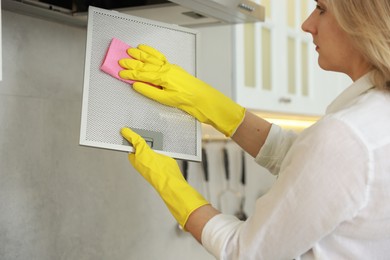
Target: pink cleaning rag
{"type": "Point", "coordinates": [116, 51]}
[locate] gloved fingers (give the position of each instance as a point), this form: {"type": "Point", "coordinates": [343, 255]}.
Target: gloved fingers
{"type": "Point", "coordinates": [149, 77]}
{"type": "Point", "coordinates": [126, 74]}
{"type": "Point", "coordinates": [133, 64]}
{"type": "Point", "coordinates": [132, 137]}
{"type": "Point", "coordinates": [128, 63]}
{"type": "Point", "coordinates": [142, 150]}
{"type": "Point", "coordinates": [145, 160]}
{"type": "Point", "coordinates": [150, 55]}
{"type": "Point", "coordinates": [153, 52]}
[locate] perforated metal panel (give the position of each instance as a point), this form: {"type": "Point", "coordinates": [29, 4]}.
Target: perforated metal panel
{"type": "Point", "coordinates": [110, 104]}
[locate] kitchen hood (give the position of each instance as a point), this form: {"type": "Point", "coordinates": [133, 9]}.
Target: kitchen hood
{"type": "Point", "coordinates": [189, 13]}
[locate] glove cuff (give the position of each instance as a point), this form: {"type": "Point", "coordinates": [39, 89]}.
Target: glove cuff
{"type": "Point", "coordinates": [227, 118]}
{"type": "Point", "coordinates": [236, 119]}
{"type": "Point", "coordinates": [182, 199]}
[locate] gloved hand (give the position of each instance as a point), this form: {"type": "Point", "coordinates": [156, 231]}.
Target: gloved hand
{"type": "Point", "coordinates": [163, 173]}
{"type": "Point", "coordinates": [180, 89]}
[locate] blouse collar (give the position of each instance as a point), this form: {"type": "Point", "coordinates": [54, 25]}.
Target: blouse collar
{"type": "Point", "coordinates": [357, 88]}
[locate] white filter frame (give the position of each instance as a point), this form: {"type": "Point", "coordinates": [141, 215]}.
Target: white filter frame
{"type": "Point", "coordinates": [105, 113]}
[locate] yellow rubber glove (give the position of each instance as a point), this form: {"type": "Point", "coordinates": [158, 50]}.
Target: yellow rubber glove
{"type": "Point", "coordinates": [163, 173]}
{"type": "Point", "coordinates": [180, 89]}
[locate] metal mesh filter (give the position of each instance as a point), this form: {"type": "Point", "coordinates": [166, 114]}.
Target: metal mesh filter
{"type": "Point", "coordinates": [110, 104]}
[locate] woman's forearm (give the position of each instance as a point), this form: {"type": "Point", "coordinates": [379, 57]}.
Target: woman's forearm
{"type": "Point", "coordinates": [198, 219]}
{"type": "Point", "coordinates": [252, 133]}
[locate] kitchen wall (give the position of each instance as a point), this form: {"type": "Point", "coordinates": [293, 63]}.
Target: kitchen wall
{"type": "Point", "coordinates": [59, 200]}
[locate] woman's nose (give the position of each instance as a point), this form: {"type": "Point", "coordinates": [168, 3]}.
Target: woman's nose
{"type": "Point", "coordinates": [308, 25]}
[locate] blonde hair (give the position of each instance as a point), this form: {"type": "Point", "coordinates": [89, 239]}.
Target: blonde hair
{"type": "Point", "coordinates": [368, 23]}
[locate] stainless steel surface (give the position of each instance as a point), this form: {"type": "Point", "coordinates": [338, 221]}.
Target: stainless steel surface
{"type": "Point", "coordinates": [227, 11]}
{"type": "Point", "coordinates": [206, 174]}
{"type": "Point", "coordinates": [227, 195]}
{"type": "Point", "coordinates": [189, 13]}
{"type": "Point", "coordinates": [240, 214]}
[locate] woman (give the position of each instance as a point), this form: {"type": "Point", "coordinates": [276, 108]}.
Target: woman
{"type": "Point", "coordinates": [331, 198]}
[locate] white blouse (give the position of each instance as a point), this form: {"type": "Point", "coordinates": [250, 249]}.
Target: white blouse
{"type": "Point", "coordinates": [332, 197]}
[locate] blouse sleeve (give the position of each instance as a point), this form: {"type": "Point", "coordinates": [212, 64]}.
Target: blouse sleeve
{"type": "Point", "coordinates": [323, 182]}
{"type": "Point", "coordinates": [275, 148]}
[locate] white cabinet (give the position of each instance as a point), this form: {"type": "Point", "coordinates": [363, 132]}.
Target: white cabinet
{"type": "Point", "coordinates": [270, 66]}
{"type": "Point", "coordinates": [276, 66]}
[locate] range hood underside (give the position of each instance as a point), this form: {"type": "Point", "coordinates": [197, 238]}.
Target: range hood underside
{"type": "Point", "coordinates": [168, 12]}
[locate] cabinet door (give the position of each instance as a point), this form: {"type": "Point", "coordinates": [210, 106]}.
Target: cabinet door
{"type": "Point", "coordinates": [256, 84]}
{"type": "Point", "coordinates": [276, 65]}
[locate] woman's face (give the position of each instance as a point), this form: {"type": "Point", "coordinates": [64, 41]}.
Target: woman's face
{"type": "Point", "coordinates": [334, 46]}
